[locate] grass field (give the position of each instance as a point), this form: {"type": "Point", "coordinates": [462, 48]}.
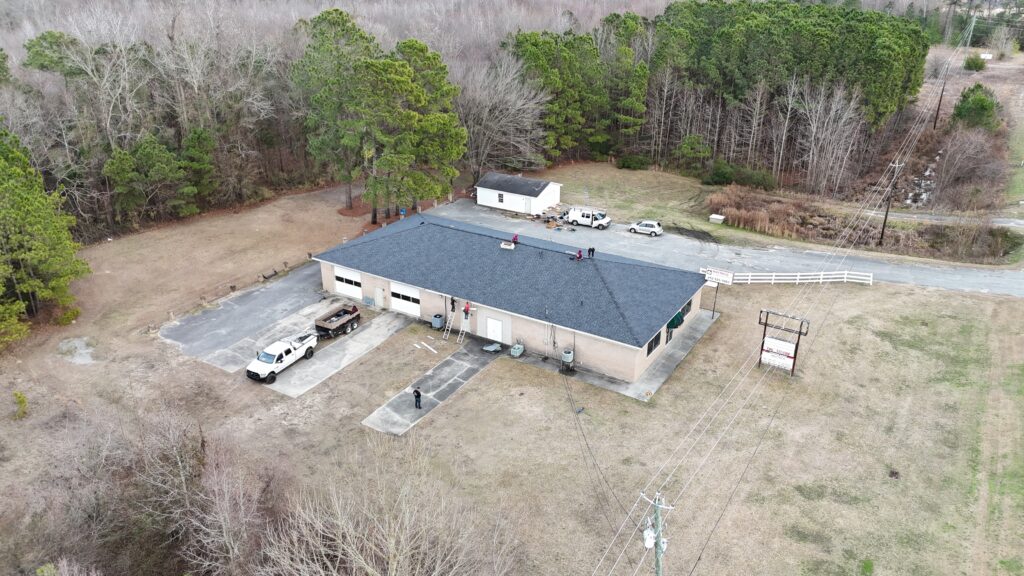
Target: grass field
{"type": "Point", "coordinates": [631, 195]}
{"type": "Point", "coordinates": [925, 383]}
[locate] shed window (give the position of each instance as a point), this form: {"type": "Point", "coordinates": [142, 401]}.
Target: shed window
{"type": "Point", "coordinates": [344, 280]}
{"type": "Point", "coordinates": [686, 309]}
{"type": "Point", "coordinates": [501, 198]}
{"type": "Point", "coordinates": [654, 343]}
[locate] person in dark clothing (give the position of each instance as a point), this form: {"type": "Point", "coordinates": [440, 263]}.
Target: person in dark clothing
{"type": "Point", "coordinates": [590, 252]}
{"type": "Point", "coordinates": [417, 395]}
{"type": "Point", "coordinates": [453, 304]}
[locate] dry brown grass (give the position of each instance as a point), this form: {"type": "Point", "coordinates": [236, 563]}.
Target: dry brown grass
{"type": "Point", "coordinates": [927, 382]}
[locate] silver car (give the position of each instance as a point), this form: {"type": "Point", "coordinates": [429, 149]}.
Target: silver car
{"type": "Point", "coordinates": [649, 227]}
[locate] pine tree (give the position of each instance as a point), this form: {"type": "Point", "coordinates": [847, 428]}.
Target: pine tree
{"type": "Point", "coordinates": [37, 254]}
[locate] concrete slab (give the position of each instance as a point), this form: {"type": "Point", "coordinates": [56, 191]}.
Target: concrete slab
{"type": "Point", "coordinates": [306, 374]}
{"type": "Point", "coordinates": [400, 414]}
{"type": "Point", "coordinates": [651, 380]}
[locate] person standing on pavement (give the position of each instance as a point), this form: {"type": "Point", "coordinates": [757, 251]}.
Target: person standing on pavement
{"type": "Point", "coordinates": [416, 396]}
{"type": "Point", "coordinates": [590, 252]}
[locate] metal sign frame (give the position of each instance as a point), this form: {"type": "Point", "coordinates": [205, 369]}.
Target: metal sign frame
{"type": "Point", "coordinates": [764, 318]}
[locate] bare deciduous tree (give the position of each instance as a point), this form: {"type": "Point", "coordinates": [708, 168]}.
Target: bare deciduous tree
{"type": "Point", "coordinates": [396, 520]}
{"type": "Point", "coordinates": [968, 170]}
{"type": "Point", "coordinates": [502, 115]}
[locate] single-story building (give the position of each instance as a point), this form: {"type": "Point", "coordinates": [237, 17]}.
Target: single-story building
{"type": "Point", "coordinates": [615, 313]}
{"type": "Point", "coordinates": [518, 194]}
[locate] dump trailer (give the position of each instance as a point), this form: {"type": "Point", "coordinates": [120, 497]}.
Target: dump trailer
{"type": "Point", "coordinates": [340, 320]}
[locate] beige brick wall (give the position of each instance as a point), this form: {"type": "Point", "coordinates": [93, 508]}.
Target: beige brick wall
{"type": "Point", "coordinates": [591, 352]}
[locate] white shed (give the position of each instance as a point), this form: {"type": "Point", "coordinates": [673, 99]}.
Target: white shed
{"type": "Point", "coordinates": [518, 194]}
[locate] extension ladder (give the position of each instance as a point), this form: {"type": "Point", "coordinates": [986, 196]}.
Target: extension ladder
{"type": "Point", "coordinates": [448, 326]}
{"type": "Point", "coordinates": [462, 330]}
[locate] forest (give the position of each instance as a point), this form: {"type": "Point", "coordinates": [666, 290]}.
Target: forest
{"type": "Point", "coordinates": [136, 119]}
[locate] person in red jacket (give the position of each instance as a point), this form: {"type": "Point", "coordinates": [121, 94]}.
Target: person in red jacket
{"type": "Point", "coordinates": [465, 309]}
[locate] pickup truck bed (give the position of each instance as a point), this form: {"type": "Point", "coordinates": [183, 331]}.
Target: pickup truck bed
{"type": "Point", "coordinates": [340, 320]}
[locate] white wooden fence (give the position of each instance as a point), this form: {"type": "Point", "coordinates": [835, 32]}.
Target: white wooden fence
{"type": "Point", "coordinates": [802, 277]}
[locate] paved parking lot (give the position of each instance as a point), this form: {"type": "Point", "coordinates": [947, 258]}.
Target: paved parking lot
{"type": "Point", "coordinates": [229, 335]}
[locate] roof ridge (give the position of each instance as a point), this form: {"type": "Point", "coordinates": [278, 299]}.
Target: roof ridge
{"type": "Point", "coordinates": [615, 302]}
{"type": "Point", "coordinates": [567, 248]}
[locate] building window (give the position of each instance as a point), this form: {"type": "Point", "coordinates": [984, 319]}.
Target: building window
{"type": "Point", "coordinates": [654, 343]}
{"type": "Point", "coordinates": [355, 283]}
{"type": "Point", "coordinates": [501, 198]}
{"type": "Point", "coordinates": [405, 297]}
{"type": "Point", "coordinates": [686, 309]}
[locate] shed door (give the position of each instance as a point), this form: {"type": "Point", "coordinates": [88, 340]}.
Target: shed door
{"type": "Point", "coordinates": [405, 299]}
{"type": "Point", "coordinates": [348, 282]}
{"type": "Point", "coordinates": [494, 329]}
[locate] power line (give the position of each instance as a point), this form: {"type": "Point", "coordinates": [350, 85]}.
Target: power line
{"type": "Point", "coordinates": [906, 147]}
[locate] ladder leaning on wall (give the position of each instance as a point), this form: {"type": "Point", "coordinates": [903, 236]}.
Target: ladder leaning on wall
{"type": "Point", "coordinates": [448, 326]}
{"type": "Point", "coordinates": [463, 326]}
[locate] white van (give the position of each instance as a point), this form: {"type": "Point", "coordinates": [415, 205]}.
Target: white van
{"type": "Point", "coordinates": [587, 216]}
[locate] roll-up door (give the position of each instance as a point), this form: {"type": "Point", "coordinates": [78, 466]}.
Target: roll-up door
{"type": "Point", "coordinates": [405, 299]}
{"type": "Point", "coordinates": [348, 282]}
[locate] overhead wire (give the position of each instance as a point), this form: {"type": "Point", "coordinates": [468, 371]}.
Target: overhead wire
{"type": "Point", "coordinates": [891, 172]}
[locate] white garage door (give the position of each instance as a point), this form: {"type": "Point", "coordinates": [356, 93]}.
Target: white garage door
{"type": "Point", "coordinates": [405, 299]}
{"type": "Point", "coordinates": [348, 282]}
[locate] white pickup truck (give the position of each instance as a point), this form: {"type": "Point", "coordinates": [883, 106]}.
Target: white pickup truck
{"type": "Point", "coordinates": [280, 355]}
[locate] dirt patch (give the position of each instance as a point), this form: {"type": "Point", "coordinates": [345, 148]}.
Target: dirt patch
{"type": "Point", "coordinates": [76, 350]}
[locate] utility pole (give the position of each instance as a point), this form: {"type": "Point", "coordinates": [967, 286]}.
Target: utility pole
{"type": "Point", "coordinates": [654, 534]}
{"type": "Point", "coordinates": [935, 122]}
{"type": "Point", "coordinates": [659, 542]}
{"type": "Point", "coordinates": [897, 166]}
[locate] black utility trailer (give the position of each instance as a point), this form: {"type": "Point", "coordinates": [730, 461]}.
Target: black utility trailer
{"type": "Point", "coordinates": [341, 320]}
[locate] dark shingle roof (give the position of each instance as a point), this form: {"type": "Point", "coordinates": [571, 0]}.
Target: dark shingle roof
{"type": "Point", "coordinates": [617, 298]}
{"type": "Point", "coordinates": [512, 184]}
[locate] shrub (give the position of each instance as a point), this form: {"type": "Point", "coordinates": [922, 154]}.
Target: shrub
{"type": "Point", "coordinates": [22, 406]}
{"type": "Point", "coordinates": [722, 173]}
{"type": "Point", "coordinates": [68, 316]}
{"type": "Point", "coordinates": [974, 63]}
{"type": "Point", "coordinates": [977, 108]}
{"type": "Point", "coordinates": [633, 162]}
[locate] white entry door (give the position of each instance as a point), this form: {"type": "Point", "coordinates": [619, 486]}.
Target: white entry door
{"type": "Point", "coordinates": [494, 329]}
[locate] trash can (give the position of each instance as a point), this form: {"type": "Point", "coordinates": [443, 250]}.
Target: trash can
{"type": "Point", "coordinates": [438, 322]}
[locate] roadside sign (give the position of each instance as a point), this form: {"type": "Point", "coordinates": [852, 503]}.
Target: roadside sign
{"type": "Point", "coordinates": [718, 276]}
{"type": "Point", "coordinates": [778, 353]}
{"type": "Point", "coordinates": [986, 56]}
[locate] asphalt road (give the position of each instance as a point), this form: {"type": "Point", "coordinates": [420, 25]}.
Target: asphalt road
{"type": "Point", "coordinates": [689, 254]}
{"type": "Point", "coordinates": [927, 218]}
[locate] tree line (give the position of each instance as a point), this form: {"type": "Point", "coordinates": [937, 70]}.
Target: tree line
{"type": "Point", "coordinates": [136, 127]}
{"type": "Point", "coordinates": [797, 90]}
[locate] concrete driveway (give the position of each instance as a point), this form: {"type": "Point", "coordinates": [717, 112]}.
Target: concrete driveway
{"type": "Point", "coordinates": [229, 335]}
{"type": "Point", "coordinates": [689, 254]}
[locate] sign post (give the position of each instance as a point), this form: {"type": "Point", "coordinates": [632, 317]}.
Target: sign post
{"type": "Point", "coordinates": [777, 352]}
{"type": "Point", "coordinates": [716, 276]}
